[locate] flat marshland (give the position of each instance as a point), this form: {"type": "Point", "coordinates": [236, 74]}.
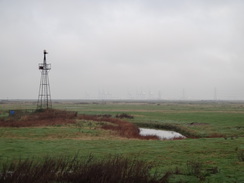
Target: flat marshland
{"type": "Point", "coordinates": [212, 151]}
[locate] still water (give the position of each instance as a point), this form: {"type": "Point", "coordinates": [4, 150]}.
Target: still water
{"type": "Point", "coordinates": [162, 134]}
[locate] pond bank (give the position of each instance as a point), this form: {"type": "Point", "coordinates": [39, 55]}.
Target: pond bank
{"type": "Point", "coordinates": [161, 134]}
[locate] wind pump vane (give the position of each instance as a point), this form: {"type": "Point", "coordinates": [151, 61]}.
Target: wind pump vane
{"type": "Point", "coordinates": [44, 96]}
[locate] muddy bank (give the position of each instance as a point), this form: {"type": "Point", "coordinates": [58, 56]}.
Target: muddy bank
{"type": "Point", "coordinates": [124, 128]}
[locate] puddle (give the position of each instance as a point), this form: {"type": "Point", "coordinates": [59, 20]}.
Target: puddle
{"type": "Point", "coordinates": [162, 134]}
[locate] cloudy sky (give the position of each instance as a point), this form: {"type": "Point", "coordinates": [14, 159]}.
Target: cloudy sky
{"type": "Point", "coordinates": [120, 49]}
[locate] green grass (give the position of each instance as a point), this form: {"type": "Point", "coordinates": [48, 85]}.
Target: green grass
{"type": "Point", "coordinates": [221, 119]}
{"type": "Point", "coordinates": [226, 124]}
{"type": "Point", "coordinates": [80, 130]}
{"type": "Point", "coordinates": [215, 152]}
{"type": "Point", "coordinates": [225, 119]}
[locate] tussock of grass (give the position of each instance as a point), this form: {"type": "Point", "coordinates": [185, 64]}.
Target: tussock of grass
{"type": "Point", "coordinates": [240, 154]}
{"type": "Point", "coordinates": [90, 170]}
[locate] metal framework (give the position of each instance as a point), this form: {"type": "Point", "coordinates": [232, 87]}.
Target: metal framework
{"type": "Point", "coordinates": [44, 97]}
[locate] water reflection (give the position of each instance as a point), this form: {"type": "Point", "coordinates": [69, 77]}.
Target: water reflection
{"type": "Point", "coordinates": [162, 134]}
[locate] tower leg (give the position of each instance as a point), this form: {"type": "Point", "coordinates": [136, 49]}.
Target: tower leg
{"type": "Point", "coordinates": [44, 97]}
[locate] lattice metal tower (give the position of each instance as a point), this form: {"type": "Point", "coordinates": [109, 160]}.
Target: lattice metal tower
{"type": "Point", "coordinates": [44, 97]}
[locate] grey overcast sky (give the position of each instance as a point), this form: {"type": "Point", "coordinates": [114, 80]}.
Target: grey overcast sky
{"type": "Point", "coordinates": [123, 49]}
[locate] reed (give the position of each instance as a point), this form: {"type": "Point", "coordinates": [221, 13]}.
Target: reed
{"type": "Point", "coordinates": [72, 170]}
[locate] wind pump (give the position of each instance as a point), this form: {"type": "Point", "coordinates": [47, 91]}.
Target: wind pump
{"type": "Point", "coordinates": [44, 96]}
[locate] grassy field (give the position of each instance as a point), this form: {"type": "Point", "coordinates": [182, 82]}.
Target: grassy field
{"type": "Point", "coordinates": [224, 121]}
{"type": "Point", "coordinates": [205, 119]}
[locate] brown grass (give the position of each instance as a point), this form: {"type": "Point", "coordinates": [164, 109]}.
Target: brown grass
{"type": "Point", "coordinates": [73, 170]}
{"type": "Point", "coordinates": [41, 118]}
{"type": "Point", "coordinates": [124, 128]}
{"type": "Point", "coordinates": [52, 117]}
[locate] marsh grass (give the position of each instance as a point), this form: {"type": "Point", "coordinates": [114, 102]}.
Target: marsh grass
{"type": "Point", "coordinates": [211, 123]}
{"type": "Point", "coordinates": [58, 132]}
{"type": "Point", "coordinates": [72, 170]}
{"type": "Point", "coordinates": [123, 128]}
{"type": "Point", "coordinates": [217, 154]}
{"type": "Point", "coordinates": [240, 154]}
{"type": "Point", "coordinates": [113, 168]}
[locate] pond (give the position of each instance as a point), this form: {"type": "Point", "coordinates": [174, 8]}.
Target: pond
{"type": "Point", "coordinates": [162, 134]}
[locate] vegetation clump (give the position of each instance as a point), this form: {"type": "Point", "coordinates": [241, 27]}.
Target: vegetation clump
{"type": "Point", "coordinates": [240, 154]}
{"type": "Point", "coordinates": [124, 115]}
{"type": "Point", "coordinates": [124, 128]}
{"type": "Point", "coordinates": [90, 170]}
{"type": "Point", "coordinates": [39, 118]}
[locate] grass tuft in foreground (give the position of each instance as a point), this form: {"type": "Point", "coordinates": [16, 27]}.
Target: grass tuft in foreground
{"type": "Point", "coordinates": [113, 169]}
{"type": "Point", "coordinates": [240, 154]}
{"type": "Point", "coordinates": [107, 170]}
